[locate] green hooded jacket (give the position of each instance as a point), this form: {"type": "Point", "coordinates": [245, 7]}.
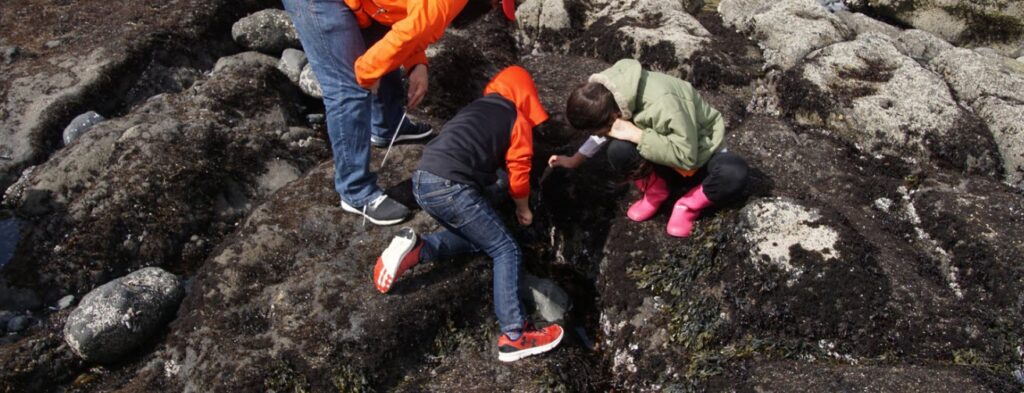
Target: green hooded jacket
{"type": "Point", "coordinates": [680, 129]}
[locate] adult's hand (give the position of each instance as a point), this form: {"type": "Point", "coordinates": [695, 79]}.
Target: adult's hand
{"type": "Point", "coordinates": [418, 83]}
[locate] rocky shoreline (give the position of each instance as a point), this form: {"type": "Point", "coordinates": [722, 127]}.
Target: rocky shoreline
{"type": "Point", "coordinates": [187, 237]}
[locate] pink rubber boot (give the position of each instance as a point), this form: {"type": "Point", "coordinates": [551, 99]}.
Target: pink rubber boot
{"type": "Point", "coordinates": [685, 212]}
{"type": "Point", "coordinates": [655, 192]}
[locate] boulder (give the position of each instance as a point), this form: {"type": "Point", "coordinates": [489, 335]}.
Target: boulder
{"type": "Point", "coordinates": [132, 191]}
{"type": "Point", "coordinates": [660, 33]}
{"type": "Point", "coordinates": [997, 23]}
{"type": "Point", "coordinates": [861, 24]}
{"type": "Point", "coordinates": [148, 54]}
{"type": "Point", "coordinates": [872, 95]}
{"type": "Point", "coordinates": [994, 87]}
{"type": "Point", "coordinates": [308, 83]}
{"type": "Point", "coordinates": [80, 124]}
{"type": "Point", "coordinates": [269, 31]}
{"type": "Point", "coordinates": [921, 45]}
{"type": "Point", "coordinates": [245, 59]}
{"type": "Point", "coordinates": [114, 319]}
{"type": "Point", "coordinates": [777, 376]}
{"type": "Point", "coordinates": [787, 30]}
{"type": "Point", "coordinates": [292, 62]}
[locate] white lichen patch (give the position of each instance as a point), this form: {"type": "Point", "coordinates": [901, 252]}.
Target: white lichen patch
{"type": "Point", "coordinates": [776, 225]}
{"type": "Point", "coordinates": [945, 260]}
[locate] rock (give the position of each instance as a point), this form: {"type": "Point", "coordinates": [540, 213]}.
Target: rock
{"type": "Point", "coordinates": [115, 318]}
{"type": "Point", "coordinates": [544, 296]}
{"type": "Point", "coordinates": [542, 19]}
{"type": "Point", "coordinates": [296, 134]}
{"type": "Point", "coordinates": [52, 44]}
{"type": "Point", "coordinates": [787, 30]}
{"type": "Point", "coordinates": [833, 6]}
{"type": "Point", "coordinates": [861, 24]}
{"type": "Point", "coordinates": [921, 45]}
{"type": "Point", "coordinates": [790, 376]}
{"type": "Point", "coordinates": [218, 136]}
{"type": "Point", "coordinates": [9, 53]}
{"type": "Point", "coordinates": [291, 64]}
{"type": "Point", "coordinates": [1021, 59]}
{"type": "Point", "coordinates": [775, 228]}
{"type": "Point", "coordinates": [659, 33]}
{"type": "Point", "coordinates": [269, 31]}
{"type": "Point", "coordinates": [65, 302]}
{"type": "Point", "coordinates": [5, 317]}
{"type": "Point", "coordinates": [872, 95]}
{"type": "Point", "coordinates": [994, 87]}
{"type": "Point", "coordinates": [18, 323]}
{"type": "Point", "coordinates": [998, 23]}
{"type": "Point", "coordinates": [80, 124]}
{"type": "Point", "coordinates": [316, 118]}
{"type": "Point", "coordinates": [308, 83]}
{"type": "Point", "coordinates": [245, 59]}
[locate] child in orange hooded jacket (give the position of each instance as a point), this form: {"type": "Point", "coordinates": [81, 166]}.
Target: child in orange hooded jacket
{"type": "Point", "coordinates": [493, 131]}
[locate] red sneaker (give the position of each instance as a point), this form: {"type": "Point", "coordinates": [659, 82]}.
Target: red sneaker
{"type": "Point", "coordinates": [531, 342]}
{"type": "Point", "coordinates": [402, 254]}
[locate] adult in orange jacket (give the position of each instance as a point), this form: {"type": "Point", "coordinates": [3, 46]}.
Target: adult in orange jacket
{"type": "Point", "coordinates": [362, 86]}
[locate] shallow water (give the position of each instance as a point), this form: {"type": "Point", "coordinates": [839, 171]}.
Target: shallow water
{"type": "Point", "coordinates": [9, 236]}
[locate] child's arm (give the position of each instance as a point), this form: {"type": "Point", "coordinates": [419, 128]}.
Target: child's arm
{"type": "Point", "coordinates": [518, 162]}
{"type": "Point", "coordinates": [589, 148]}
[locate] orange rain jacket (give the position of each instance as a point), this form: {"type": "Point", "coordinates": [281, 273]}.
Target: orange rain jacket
{"type": "Point", "coordinates": [414, 25]}
{"type": "Point", "coordinates": [515, 84]}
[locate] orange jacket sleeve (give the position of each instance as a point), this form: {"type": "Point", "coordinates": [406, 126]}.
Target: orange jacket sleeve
{"type": "Point", "coordinates": [519, 159]}
{"type": "Point", "coordinates": [406, 43]}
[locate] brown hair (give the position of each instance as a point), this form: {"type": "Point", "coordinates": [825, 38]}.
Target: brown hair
{"type": "Point", "coordinates": [591, 107]}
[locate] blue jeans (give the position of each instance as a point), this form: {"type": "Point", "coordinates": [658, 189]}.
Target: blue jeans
{"type": "Point", "coordinates": [333, 40]}
{"type": "Point", "coordinates": [472, 226]}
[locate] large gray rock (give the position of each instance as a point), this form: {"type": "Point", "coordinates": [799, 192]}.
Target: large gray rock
{"type": "Point", "coordinates": [787, 30]}
{"type": "Point", "coordinates": [308, 82]}
{"type": "Point", "coordinates": [291, 64]}
{"type": "Point", "coordinates": [132, 191]}
{"type": "Point", "coordinates": [995, 23]}
{"type": "Point", "coordinates": [245, 59]}
{"type": "Point", "coordinates": [659, 33]}
{"type": "Point", "coordinates": [269, 31]}
{"type": "Point", "coordinates": [994, 87]}
{"type": "Point", "coordinates": [921, 45]}
{"type": "Point", "coordinates": [870, 94]}
{"type": "Point", "coordinates": [80, 124]}
{"type": "Point", "coordinates": [862, 24]}
{"type": "Point", "coordinates": [115, 318]}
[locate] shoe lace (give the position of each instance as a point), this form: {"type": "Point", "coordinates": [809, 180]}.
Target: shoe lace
{"type": "Point", "coordinates": [373, 204]}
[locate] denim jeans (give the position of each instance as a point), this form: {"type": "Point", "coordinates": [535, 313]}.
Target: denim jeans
{"type": "Point", "coordinates": [332, 40]}
{"type": "Point", "coordinates": [472, 225]}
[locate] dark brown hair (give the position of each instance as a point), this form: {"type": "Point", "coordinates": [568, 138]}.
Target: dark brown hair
{"type": "Point", "coordinates": [591, 107]}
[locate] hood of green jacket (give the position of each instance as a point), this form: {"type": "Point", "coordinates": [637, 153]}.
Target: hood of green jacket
{"type": "Point", "coordinates": [623, 79]}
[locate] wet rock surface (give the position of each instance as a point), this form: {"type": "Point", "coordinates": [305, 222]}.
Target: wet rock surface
{"type": "Point", "coordinates": [116, 317]}
{"type": "Point", "coordinates": [855, 260]}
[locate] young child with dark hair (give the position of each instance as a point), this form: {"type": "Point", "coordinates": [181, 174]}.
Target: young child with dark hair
{"type": "Point", "coordinates": [661, 132]}
{"type": "Point", "coordinates": [491, 133]}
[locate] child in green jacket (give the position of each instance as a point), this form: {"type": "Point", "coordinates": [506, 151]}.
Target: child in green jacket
{"type": "Point", "coordinates": [661, 131]}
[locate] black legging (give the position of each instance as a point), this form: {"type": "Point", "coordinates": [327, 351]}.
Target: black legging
{"type": "Point", "coordinates": [724, 176]}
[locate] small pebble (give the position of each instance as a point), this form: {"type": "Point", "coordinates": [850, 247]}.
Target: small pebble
{"type": "Point", "coordinates": [65, 302]}
{"type": "Point", "coordinates": [18, 324]}
{"type": "Point", "coordinates": [315, 118]}
{"type": "Point", "coordinates": [53, 44]}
